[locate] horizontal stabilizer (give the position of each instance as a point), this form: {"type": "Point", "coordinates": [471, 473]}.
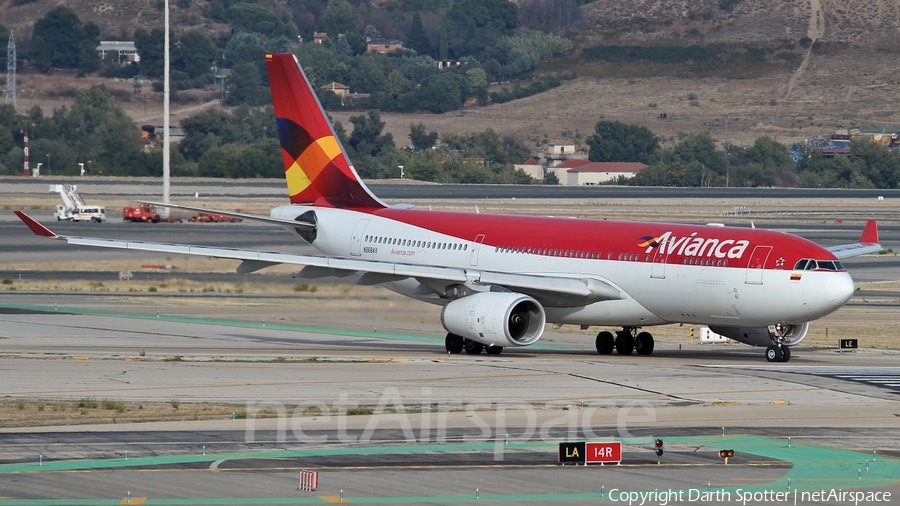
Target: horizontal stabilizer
{"type": "Point", "coordinates": [868, 243]}
{"type": "Point", "coordinates": [234, 214]}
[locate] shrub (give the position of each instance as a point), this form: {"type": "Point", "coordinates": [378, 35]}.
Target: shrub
{"type": "Point", "coordinates": [112, 405]}
{"type": "Point", "coordinates": [88, 403]}
{"type": "Point", "coordinates": [7, 281]}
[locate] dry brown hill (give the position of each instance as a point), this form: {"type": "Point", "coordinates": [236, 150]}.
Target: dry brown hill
{"type": "Point", "coordinates": [849, 78]}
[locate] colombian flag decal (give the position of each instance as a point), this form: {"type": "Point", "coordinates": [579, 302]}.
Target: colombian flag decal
{"type": "Point", "coordinates": [648, 241]}
{"type": "Point", "coordinates": [796, 277]}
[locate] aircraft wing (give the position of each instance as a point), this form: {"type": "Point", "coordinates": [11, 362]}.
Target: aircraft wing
{"type": "Point", "coordinates": [245, 216]}
{"type": "Point", "coordinates": [555, 290]}
{"type": "Point", "coordinates": [868, 243]}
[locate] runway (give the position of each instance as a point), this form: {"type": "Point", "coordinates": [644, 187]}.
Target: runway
{"type": "Point", "coordinates": [358, 387]}
{"type": "Point", "coordinates": [441, 455]}
{"type": "Point", "coordinates": [393, 189]}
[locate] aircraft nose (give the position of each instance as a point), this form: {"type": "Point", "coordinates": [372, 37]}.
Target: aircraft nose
{"type": "Point", "coordinates": [839, 288]}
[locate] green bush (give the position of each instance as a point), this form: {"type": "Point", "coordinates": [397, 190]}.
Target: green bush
{"type": "Point", "coordinates": [88, 403]}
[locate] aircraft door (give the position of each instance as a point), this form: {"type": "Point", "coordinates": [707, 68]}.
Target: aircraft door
{"type": "Point", "coordinates": [658, 267]}
{"type": "Point", "coordinates": [473, 258]}
{"type": "Point", "coordinates": [356, 237]}
{"type": "Point", "coordinates": [757, 263]}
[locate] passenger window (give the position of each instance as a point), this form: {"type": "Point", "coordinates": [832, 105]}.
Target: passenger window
{"type": "Point", "coordinates": [465, 247]}
{"type": "Point", "coordinates": [800, 265]}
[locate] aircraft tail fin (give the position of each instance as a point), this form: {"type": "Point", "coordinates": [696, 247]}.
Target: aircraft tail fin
{"type": "Point", "coordinates": [317, 169]}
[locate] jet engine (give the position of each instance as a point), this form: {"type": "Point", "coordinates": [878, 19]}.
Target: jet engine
{"type": "Point", "coordinates": [764, 336]}
{"type": "Point", "coordinates": [495, 318]}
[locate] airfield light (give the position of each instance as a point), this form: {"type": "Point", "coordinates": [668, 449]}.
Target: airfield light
{"type": "Point", "coordinates": [659, 447]}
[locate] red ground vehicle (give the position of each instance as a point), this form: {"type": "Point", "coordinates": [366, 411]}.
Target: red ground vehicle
{"type": "Point", "coordinates": [144, 213]}
{"type": "Point", "coordinates": [214, 218]}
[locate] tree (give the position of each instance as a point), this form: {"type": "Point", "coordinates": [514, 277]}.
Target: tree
{"type": "Point", "coordinates": [321, 65]}
{"type": "Point", "coordinates": [245, 85]}
{"type": "Point", "coordinates": [205, 130]}
{"type": "Point", "coordinates": [338, 17]}
{"type": "Point", "coordinates": [550, 178]}
{"type": "Point", "coordinates": [366, 74]}
{"type": "Point", "coordinates": [61, 40]}
{"type": "Point", "coordinates": [397, 84]}
{"type": "Point", "coordinates": [417, 38]}
{"type": "Point", "coordinates": [366, 138]}
{"type": "Point", "coordinates": [150, 45]}
{"type": "Point", "coordinates": [248, 17]}
{"type": "Point", "coordinates": [420, 139]}
{"type": "Point", "coordinates": [700, 148]}
{"type": "Point", "coordinates": [473, 25]}
{"type": "Point", "coordinates": [478, 83]}
{"type": "Point", "coordinates": [442, 92]}
{"type": "Point", "coordinates": [444, 44]}
{"type": "Point", "coordinates": [372, 153]}
{"type": "Point", "coordinates": [617, 142]}
{"type": "Point", "coordinates": [195, 54]}
{"type": "Point", "coordinates": [767, 152]}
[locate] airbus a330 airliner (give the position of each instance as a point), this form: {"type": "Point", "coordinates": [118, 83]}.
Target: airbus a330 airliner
{"type": "Point", "coordinates": [502, 278]}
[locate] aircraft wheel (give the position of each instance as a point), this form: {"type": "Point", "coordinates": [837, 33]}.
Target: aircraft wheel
{"type": "Point", "coordinates": [643, 343]}
{"type": "Point", "coordinates": [453, 343]}
{"type": "Point", "coordinates": [774, 353]}
{"type": "Point", "coordinates": [624, 344]}
{"type": "Point", "coordinates": [786, 354]}
{"type": "Point", "coordinates": [605, 343]}
{"type": "Point", "coordinates": [494, 350]}
{"type": "Point", "coordinates": [473, 347]}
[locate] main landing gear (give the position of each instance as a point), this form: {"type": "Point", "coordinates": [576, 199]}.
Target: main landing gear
{"type": "Point", "coordinates": [456, 344]}
{"type": "Point", "coordinates": [625, 342]}
{"type": "Point", "coordinates": [778, 353]}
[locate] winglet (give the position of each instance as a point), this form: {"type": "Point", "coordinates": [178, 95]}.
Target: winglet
{"type": "Point", "coordinates": [35, 227]}
{"type": "Point", "coordinates": [870, 233]}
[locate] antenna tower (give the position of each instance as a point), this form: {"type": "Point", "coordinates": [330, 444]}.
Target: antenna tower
{"type": "Point", "coordinates": [11, 72]}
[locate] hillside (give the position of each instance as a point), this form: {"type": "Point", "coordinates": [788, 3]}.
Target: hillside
{"type": "Point", "coordinates": [843, 74]}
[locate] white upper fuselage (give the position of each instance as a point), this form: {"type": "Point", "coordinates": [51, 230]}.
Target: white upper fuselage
{"type": "Point", "coordinates": [742, 279]}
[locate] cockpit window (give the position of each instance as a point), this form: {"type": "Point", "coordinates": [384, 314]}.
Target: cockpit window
{"type": "Point", "coordinates": [822, 265]}
{"type": "Point", "coordinates": [827, 265]}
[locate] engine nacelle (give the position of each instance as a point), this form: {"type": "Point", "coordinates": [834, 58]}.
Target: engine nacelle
{"type": "Point", "coordinates": [495, 319]}
{"type": "Point", "coordinates": [762, 336]}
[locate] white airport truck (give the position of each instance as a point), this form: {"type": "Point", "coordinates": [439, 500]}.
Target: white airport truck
{"type": "Point", "coordinates": [73, 207]}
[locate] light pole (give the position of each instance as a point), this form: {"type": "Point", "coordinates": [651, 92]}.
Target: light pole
{"type": "Point", "coordinates": [166, 134]}
{"type": "Point", "coordinates": [49, 170]}
{"type": "Point", "coordinates": [90, 168]}
{"type": "Point", "coordinates": [401, 171]}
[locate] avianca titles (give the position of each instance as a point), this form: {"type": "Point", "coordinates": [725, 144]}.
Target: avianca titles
{"type": "Point", "coordinates": [501, 278]}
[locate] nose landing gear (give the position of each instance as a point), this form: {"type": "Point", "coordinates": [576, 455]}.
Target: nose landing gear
{"type": "Point", "coordinates": [778, 353]}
